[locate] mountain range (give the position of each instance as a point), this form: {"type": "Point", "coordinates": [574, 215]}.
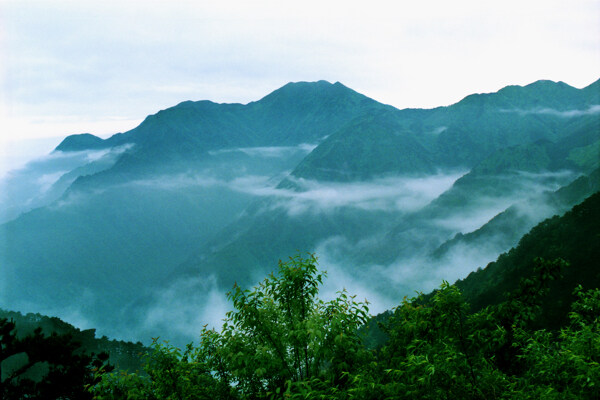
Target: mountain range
{"type": "Point", "coordinates": [145, 231]}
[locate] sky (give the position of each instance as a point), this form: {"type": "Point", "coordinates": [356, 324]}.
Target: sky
{"type": "Point", "coordinates": [101, 66]}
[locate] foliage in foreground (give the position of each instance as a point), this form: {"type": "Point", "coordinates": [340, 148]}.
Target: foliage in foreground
{"type": "Point", "coordinates": [282, 341]}
{"type": "Point", "coordinates": [37, 366]}
{"type": "Point", "coordinates": [123, 355]}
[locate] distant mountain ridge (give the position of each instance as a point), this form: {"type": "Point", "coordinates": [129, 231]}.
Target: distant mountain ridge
{"type": "Point", "coordinates": [308, 112]}
{"type": "Point", "coordinates": [204, 194]}
{"type": "Point", "coordinates": [539, 95]}
{"type": "Point", "coordinates": [125, 356]}
{"type": "Point", "coordinates": [297, 113]}
{"type": "Point", "coordinates": [574, 237]}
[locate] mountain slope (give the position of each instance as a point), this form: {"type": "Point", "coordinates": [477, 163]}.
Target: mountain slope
{"type": "Point", "coordinates": [200, 195]}
{"type": "Point", "coordinates": [574, 237]}
{"type": "Point", "coordinates": [366, 148]}
{"type": "Point", "coordinates": [125, 356]}
{"type": "Point", "coordinates": [461, 135]}
{"type": "Point", "coordinates": [505, 229]}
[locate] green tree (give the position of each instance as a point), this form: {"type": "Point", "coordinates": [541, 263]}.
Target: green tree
{"type": "Point", "coordinates": [279, 338]}
{"type": "Point", "coordinates": [438, 349]}
{"type": "Point", "coordinates": [282, 342]}
{"type": "Point", "coordinates": [566, 364]}
{"type": "Point", "coordinates": [280, 333]}
{"type": "Point", "coordinates": [45, 367]}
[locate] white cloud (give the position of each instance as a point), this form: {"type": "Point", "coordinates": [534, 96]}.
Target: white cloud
{"type": "Point", "coordinates": [269, 151]}
{"type": "Point", "coordinates": [185, 306]}
{"type": "Point", "coordinates": [402, 193]}
{"type": "Point", "coordinates": [47, 180]}
{"type": "Point", "coordinates": [33, 184]}
{"type": "Point", "coordinates": [387, 194]}
{"type": "Point", "coordinates": [592, 110]}
{"type": "Point", "coordinates": [384, 285]}
{"type": "Point", "coordinates": [478, 210]}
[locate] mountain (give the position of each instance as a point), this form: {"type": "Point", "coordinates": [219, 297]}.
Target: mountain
{"type": "Point", "coordinates": [296, 113]}
{"type": "Point", "coordinates": [375, 145]}
{"type": "Point", "coordinates": [574, 237]}
{"type": "Point", "coordinates": [505, 229]}
{"type": "Point", "coordinates": [146, 230]}
{"type": "Point", "coordinates": [125, 356]}
{"type": "Point", "coordinates": [83, 141]}
{"type": "Point", "coordinates": [413, 141]}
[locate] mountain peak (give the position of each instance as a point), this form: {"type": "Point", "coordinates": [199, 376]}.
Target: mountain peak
{"type": "Point", "coordinates": [313, 95]}
{"type": "Point", "coordinates": [536, 95]}
{"type": "Point", "coordinates": [293, 89]}
{"type": "Point", "coordinates": [82, 141]}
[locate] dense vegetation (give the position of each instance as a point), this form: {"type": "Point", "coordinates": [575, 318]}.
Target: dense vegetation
{"type": "Point", "coordinates": [130, 223]}
{"type": "Point", "coordinates": [123, 355]}
{"type": "Point", "coordinates": [37, 366]}
{"type": "Point", "coordinates": [282, 341]}
{"type": "Point", "coordinates": [198, 191]}
{"type": "Point", "coordinates": [45, 358]}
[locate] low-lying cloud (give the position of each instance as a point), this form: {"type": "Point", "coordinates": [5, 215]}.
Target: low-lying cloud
{"type": "Point", "coordinates": [479, 209]}
{"type": "Point", "coordinates": [414, 267]}
{"type": "Point", "coordinates": [591, 110]}
{"type": "Point", "coordinates": [184, 307]}
{"type": "Point", "coordinates": [269, 151]}
{"type": "Point", "coordinates": [385, 194]}
{"type": "Point", "coordinates": [400, 193]}
{"type": "Point", "coordinates": [44, 180]}
{"type": "Point", "coordinates": [385, 285]}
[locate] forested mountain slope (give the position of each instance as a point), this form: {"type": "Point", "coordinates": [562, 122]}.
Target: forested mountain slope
{"type": "Point", "coordinates": [574, 237]}
{"type": "Point", "coordinates": [169, 215]}
{"type": "Point", "coordinates": [123, 355]}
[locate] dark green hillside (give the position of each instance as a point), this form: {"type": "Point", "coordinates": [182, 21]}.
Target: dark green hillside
{"type": "Point", "coordinates": [125, 356]}
{"type": "Point", "coordinates": [368, 147]}
{"type": "Point", "coordinates": [461, 135]}
{"type": "Point", "coordinates": [506, 228]}
{"type": "Point", "coordinates": [308, 111]}
{"type": "Point", "coordinates": [574, 237]}
{"type": "Point", "coordinates": [84, 141]}
{"type": "Point", "coordinates": [198, 181]}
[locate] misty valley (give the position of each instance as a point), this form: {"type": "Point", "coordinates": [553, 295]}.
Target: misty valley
{"type": "Point", "coordinates": [158, 231]}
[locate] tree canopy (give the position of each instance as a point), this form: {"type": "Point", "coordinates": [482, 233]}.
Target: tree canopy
{"type": "Point", "coordinates": [282, 342]}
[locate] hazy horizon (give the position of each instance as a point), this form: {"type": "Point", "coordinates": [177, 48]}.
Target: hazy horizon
{"type": "Point", "coordinates": [63, 72]}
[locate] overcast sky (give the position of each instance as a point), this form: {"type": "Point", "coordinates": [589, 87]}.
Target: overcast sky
{"type": "Point", "coordinates": [102, 66]}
